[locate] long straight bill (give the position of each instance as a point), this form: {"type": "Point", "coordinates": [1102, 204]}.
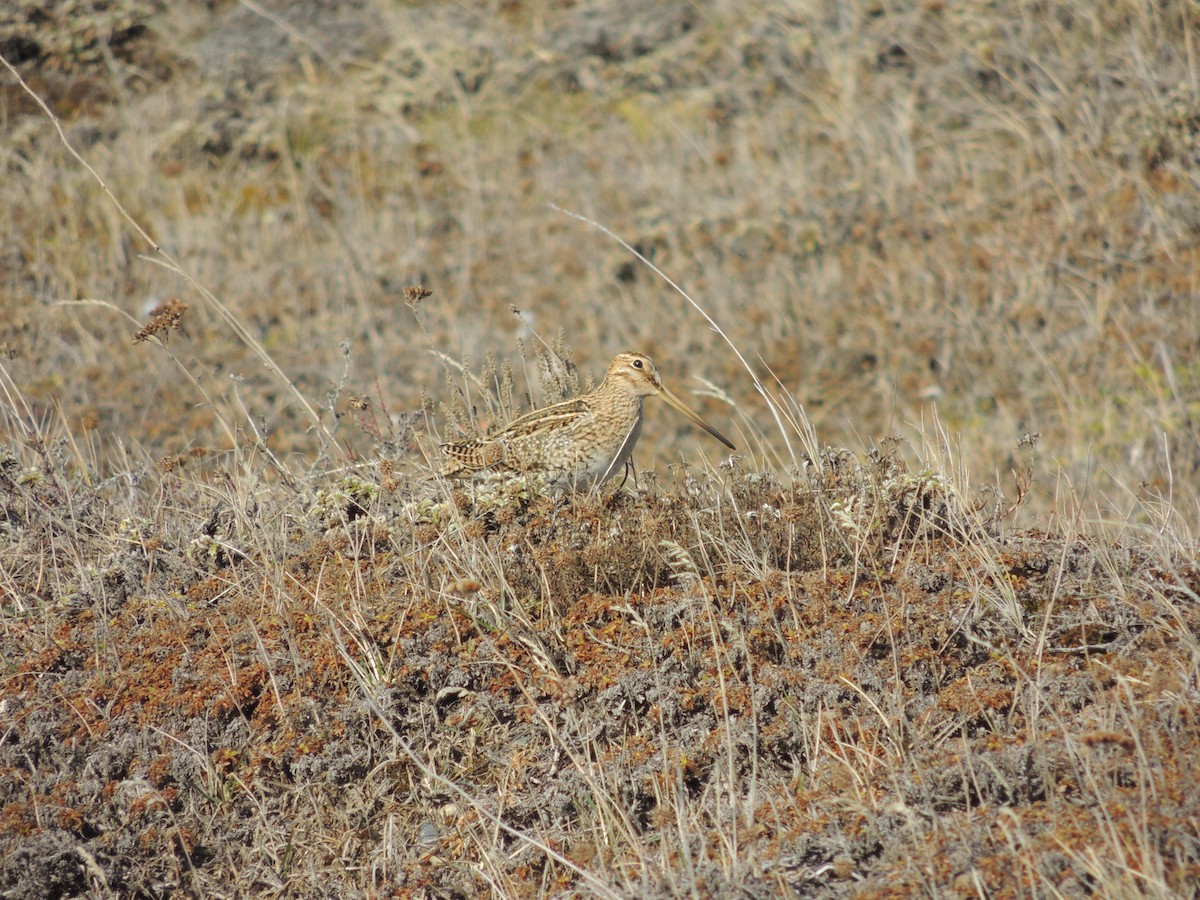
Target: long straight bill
{"type": "Point", "coordinates": [682, 407]}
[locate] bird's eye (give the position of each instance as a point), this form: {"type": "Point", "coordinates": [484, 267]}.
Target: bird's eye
{"type": "Point", "coordinates": [637, 363]}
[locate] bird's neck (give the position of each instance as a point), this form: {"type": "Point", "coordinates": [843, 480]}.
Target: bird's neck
{"type": "Point", "coordinates": [620, 393]}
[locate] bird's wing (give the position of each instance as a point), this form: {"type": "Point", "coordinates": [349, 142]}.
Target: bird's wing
{"type": "Point", "coordinates": [546, 420]}
{"type": "Point", "coordinates": [485, 453]}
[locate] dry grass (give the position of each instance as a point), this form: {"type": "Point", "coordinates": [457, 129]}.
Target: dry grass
{"type": "Point", "coordinates": [251, 648]}
{"type": "Point", "coordinates": [896, 212]}
{"type": "Point", "coordinates": [718, 685]}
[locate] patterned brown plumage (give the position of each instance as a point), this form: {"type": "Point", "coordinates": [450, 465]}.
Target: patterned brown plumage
{"type": "Point", "coordinates": [580, 442]}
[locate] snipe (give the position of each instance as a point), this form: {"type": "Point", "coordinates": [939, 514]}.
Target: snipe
{"type": "Point", "coordinates": [578, 443]}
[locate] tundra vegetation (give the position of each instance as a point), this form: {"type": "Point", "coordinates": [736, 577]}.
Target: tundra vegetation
{"type": "Point", "coordinates": [931, 631]}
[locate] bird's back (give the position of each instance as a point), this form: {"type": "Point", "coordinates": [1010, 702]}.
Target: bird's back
{"type": "Point", "coordinates": [575, 443]}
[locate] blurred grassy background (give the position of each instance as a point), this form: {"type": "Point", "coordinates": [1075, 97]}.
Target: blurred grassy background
{"type": "Point", "coordinates": [984, 213]}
